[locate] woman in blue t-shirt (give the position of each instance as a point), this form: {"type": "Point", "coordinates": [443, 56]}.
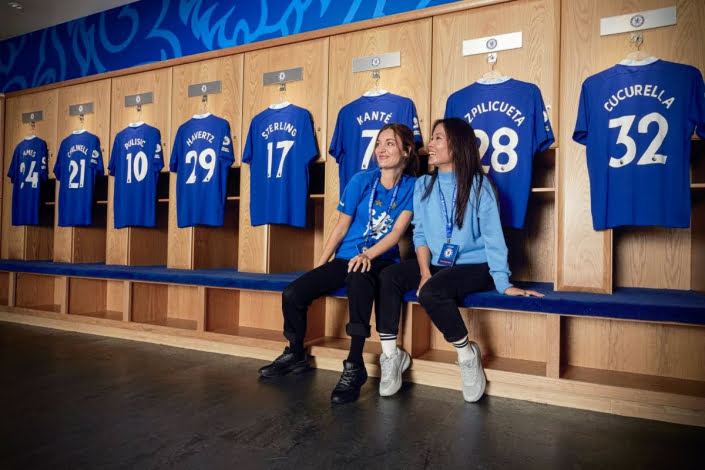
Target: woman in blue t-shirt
{"type": "Point", "coordinates": [460, 249]}
{"type": "Point", "coordinates": [374, 213]}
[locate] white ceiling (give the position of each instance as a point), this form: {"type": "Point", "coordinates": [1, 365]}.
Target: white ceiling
{"type": "Point", "coordinates": [40, 14]}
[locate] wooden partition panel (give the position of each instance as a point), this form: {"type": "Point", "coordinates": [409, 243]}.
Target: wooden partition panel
{"type": "Point", "coordinates": [121, 242]}
{"type": "Point", "coordinates": [227, 105]}
{"type": "Point", "coordinates": [25, 242]}
{"type": "Point", "coordinates": [311, 94]}
{"type": "Point", "coordinates": [585, 257]}
{"type": "Point", "coordinates": [412, 80]}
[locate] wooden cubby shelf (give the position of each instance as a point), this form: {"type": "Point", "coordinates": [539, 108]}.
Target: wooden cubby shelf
{"type": "Point", "coordinates": [96, 298]}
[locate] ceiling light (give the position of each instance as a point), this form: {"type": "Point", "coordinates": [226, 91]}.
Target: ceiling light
{"type": "Point", "coordinates": [15, 5]}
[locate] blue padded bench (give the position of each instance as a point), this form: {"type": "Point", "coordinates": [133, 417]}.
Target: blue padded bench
{"type": "Point", "coordinates": [655, 305]}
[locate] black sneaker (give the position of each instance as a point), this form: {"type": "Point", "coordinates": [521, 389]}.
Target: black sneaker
{"type": "Point", "coordinates": [288, 362]}
{"type": "Point", "coordinates": [348, 388]}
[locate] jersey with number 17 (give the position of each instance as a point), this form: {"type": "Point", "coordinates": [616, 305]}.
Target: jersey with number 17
{"type": "Point", "coordinates": [637, 119]}
{"type": "Point", "coordinates": [511, 125]}
{"type": "Point", "coordinates": [280, 145]}
{"type": "Point", "coordinates": [135, 163]}
{"type": "Point", "coordinates": [201, 159]}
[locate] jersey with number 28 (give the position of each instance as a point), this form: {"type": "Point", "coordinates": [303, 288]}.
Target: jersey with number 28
{"type": "Point", "coordinates": [27, 171]}
{"type": "Point", "coordinates": [511, 125]}
{"type": "Point", "coordinates": [637, 119]}
{"type": "Point", "coordinates": [135, 162]}
{"type": "Point", "coordinates": [201, 158]}
{"type": "Point", "coordinates": [78, 163]}
{"type": "Point", "coordinates": [280, 145]}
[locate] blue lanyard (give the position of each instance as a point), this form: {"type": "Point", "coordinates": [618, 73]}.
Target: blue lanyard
{"type": "Point", "coordinates": [373, 195]}
{"type": "Point", "coordinates": [449, 220]}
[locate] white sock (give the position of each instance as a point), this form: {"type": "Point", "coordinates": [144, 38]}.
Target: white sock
{"type": "Point", "coordinates": [465, 352]}
{"type": "Point", "coordinates": [389, 344]}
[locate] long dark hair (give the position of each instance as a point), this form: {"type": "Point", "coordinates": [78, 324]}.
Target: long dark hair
{"type": "Point", "coordinates": [462, 145]}
{"type": "Point", "coordinates": [405, 137]}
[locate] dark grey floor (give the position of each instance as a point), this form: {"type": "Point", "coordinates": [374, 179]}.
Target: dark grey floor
{"type": "Point", "coordinates": [79, 401]}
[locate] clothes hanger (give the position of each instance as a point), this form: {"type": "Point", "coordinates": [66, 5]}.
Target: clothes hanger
{"type": "Point", "coordinates": [283, 102]}
{"type": "Point", "coordinates": [375, 90]}
{"type": "Point", "coordinates": [82, 125]}
{"type": "Point", "coordinates": [493, 73]}
{"type": "Point", "coordinates": [637, 39]}
{"type": "Point", "coordinates": [204, 108]}
{"type": "Point", "coordinates": [139, 120]}
{"type": "Point", "coordinates": [31, 134]}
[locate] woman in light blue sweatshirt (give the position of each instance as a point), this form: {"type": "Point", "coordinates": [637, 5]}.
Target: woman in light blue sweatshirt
{"type": "Point", "coordinates": [460, 249]}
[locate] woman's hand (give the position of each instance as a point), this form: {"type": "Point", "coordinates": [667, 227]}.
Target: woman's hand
{"type": "Point", "coordinates": [360, 261]}
{"type": "Point", "coordinates": [519, 292]}
{"type": "Point", "coordinates": [424, 278]}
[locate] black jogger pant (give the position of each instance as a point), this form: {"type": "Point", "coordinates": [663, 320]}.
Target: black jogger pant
{"type": "Point", "coordinates": [440, 295]}
{"type": "Point", "coordinates": [332, 275]}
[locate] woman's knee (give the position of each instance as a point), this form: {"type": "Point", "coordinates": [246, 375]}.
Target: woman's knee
{"type": "Point", "coordinates": [429, 295]}
{"type": "Point", "coordinates": [289, 295]}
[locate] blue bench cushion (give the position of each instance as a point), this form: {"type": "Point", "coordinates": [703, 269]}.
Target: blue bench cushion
{"type": "Point", "coordinates": [656, 305]}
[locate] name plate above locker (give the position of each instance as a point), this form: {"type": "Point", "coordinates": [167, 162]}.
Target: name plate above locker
{"type": "Point", "coordinates": [376, 62]}
{"type": "Point", "coordinates": [33, 116]}
{"type": "Point", "coordinates": [208, 88]}
{"type": "Point", "coordinates": [78, 109]}
{"type": "Point", "coordinates": [638, 21]}
{"type": "Point", "coordinates": [499, 42]}
{"type": "Point", "coordinates": [138, 100]}
{"type": "Point", "coordinates": [283, 76]}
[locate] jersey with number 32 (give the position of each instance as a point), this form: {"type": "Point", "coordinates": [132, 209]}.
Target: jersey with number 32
{"type": "Point", "coordinates": [357, 127]}
{"type": "Point", "coordinates": [280, 145]}
{"type": "Point", "coordinates": [511, 125]}
{"type": "Point", "coordinates": [636, 120]}
{"type": "Point", "coordinates": [28, 170]}
{"type": "Point", "coordinates": [135, 162]}
{"type": "Point", "coordinates": [201, 159]}
{"type": "Point", "coordinates": [78, 163]}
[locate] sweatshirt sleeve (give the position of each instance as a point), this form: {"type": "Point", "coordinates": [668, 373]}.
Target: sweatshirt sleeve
{"type": "Point", "coordinates": [419, 209]}
{"type": "Point", "coordinates": [491, 230]}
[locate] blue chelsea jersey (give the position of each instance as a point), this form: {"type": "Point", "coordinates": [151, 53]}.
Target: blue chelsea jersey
{"type": "Point", "coordinates": [280, 145]}
{"type": "Point", "coordinates": [636, 120]}
{"type": "Point", "coordinates": [201, 158]}
{"type": "Point", "coordinates": [78, 163]}
{"type": "Point", "coordinates": [356, 203]}
{"type": "Point", "coordinates": [28, 169]}
{"type": "Point", "coordinates": [357, 127]}
{"type": "Point", "coordinates": [135, 163]}
{"type": "Point", "coordinates": [511, 125]}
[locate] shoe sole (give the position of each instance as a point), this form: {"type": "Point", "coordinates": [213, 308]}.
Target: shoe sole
{"type": "Point", "coordinates": [295, 370]}
{"type": "Point", "coordinates": [473, 399]}
{"type": "Point", "coordinates": [405, 363]}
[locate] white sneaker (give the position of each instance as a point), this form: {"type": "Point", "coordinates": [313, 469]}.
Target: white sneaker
{"type": "Point", "coordinates": [473, 376]}
{"type": "Point", "coordinates": [392, 368]}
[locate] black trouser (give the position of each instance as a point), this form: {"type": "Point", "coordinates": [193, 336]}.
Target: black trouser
{"type": "Point", "coordinates": [362, 287]}
{"type": "Point", "coordinates": [440, 295]}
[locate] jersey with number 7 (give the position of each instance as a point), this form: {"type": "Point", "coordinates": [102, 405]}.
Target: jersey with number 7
{"type": "Point", "coordinates": [636, 119]}
{"type": "Point", "coordinates": [201, 158]}
{"type": "Point", "coordinates": [511, 126]}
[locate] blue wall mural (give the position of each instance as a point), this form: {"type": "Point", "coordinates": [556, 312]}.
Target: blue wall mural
{"type": "Point", "coordinates": [153, 30]}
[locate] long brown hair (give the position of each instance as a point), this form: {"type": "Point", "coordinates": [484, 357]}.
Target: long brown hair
{"type": "Point", "coordinates": [405, 137]}
{"type": "Point", "coordinates": [462, 145]}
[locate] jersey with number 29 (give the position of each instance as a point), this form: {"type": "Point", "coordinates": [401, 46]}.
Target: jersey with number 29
{"type": "Point", "coordinates": [27, 171]}
{"type": "Point", "coordinates": [280, 145]}
{"type": "Point", "coordinates": [201, 158]}
{"type": "Point", "coordinates": [78, 163]}
{"type": "Point", "coordinates": [357, 127]}
{"type": "Point", "coordinates": [637, 119]}
{"type": "Point", "coordinates": [135, 163]}
{"type": "Point", "coordinates": [511, 125]}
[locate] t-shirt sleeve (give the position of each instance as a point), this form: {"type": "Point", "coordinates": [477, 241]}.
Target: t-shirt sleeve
{"type": "Point", "coordinates": [407, 204]}
{"type": "Point", "coordinates": [417, 220]}
{"type": "Point", "coordinates": [12, 171]}
{"type": "Point", "coordinates": [336, 144]}
{"type": "Point", "coordinates": [697, 106]}
{"type": "Point", "coordinates": [96, 160]}
{"type": "Point", "coordinates": [415, 125]}
{"type": "Point", "coordinates": [227, 156]}
{"type": "Point", "coordinates": [495, 246]}
{"type": "Point", "coordinates": [113, 156]}
{"type": "Point", "coordinates": [449, 111]}
{"type": "Point", "coordinates": [580, 133]}
{"type": "Point", "coordinates": [247, 153]}
{"type": "Point", "coordinates": [43, 173]}
{"type": "Point", "coordinates": [175, 153]}
{"type": "Point", "coordinates": [310, 150]}
{"type": "Point", "coordinates": [543, 132]}
{"type": "Point", "coordinates": [158, 159]}
{"type": "Point", "coordinates": [352, 194]}
{"type": "Point", "coordinates": [57, 163]}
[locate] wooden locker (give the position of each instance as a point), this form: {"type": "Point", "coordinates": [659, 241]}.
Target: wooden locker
{"type": "Point", "coordinates": [28, 242]}
{"type": "Point", "coordinates": [125, 245]}
{"type": "Point", "coordinates": [84, 244]}
{"type": "Point", "coordinates": [268, 248]}
{"type": "Point", "coordinates": [217, 246]}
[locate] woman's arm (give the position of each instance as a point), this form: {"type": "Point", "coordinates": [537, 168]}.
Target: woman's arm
{"type": "Point", "coordinates": [335, 237]}
{"type": "Point", "coordinates": [363, 261]}
{"type": "Point", "coordinates": [423, 256]}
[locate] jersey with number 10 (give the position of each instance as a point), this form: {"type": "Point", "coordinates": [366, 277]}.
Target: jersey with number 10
{"type": "Point", "coordinates": [356, 130]}
{"type": "Point", "coordinates": [135, 163]}
{"type": "Point", "coordinates": [201, 158]}
{"type": "Point", "coordinates": [636, 120]}
{"type": "Point", "coordinates": [511, 124]}
{"type": "Point", "coordinates": [78, 163]}
{"type": "Point", "coordinates": [280, 145]}
{"type": "Point", "coordinates": [27, 171]}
